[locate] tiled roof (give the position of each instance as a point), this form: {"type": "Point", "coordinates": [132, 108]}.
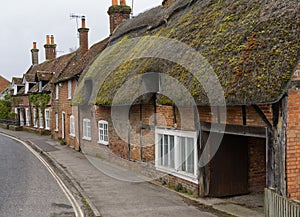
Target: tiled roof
{"type": "Point", "coordinates": [16, 80]}
{"type": "Point", "coordinates": [79, 63]}
{"type": "Point", "coordinates": [3, 83]}
{"type": "Point", "coordinates": [29, 77]}
{"type": "Point", "coordinates": [44, 76]}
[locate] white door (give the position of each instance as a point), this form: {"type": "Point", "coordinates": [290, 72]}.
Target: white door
{"type": "Point", "coordinates": [21, 118]}
{"type": "Point", "coordinates": [63, 125]}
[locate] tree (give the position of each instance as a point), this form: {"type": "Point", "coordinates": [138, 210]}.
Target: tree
{"type": "Point", "coordinates": [40, 101]}
{"type": "Point", "coordinates": [5, 108]}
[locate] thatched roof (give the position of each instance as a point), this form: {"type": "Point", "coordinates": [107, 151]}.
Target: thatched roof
{"type": "Point", "coordinates": [252, 46]}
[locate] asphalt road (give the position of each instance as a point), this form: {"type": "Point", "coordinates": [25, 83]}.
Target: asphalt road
{"type": "Point", "coordinates": [26, 187]}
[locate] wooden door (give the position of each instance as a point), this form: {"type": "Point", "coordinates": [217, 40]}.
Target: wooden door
{"type": "Point", "coordinates": [229, 168]}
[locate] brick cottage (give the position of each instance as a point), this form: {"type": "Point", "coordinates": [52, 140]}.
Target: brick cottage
{"type": "Point", "coordinates": [128, 98]}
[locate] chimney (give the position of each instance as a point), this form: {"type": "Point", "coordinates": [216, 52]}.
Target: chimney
{"type": "Point", "coordinates": [83, 37]}
{"type": "Point", "coordinates": [35, 54]}
{"type": "Point", "coordinates": [118, 13]}
{"type": "Point", "coordinates": [50, 48]}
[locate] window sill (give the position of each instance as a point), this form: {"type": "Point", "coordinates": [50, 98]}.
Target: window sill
{"type": "Point", "coordinates": [103, 143]}
{"type": "Point", "coordinates": [182, 175]}
{"type": "Point", "coordinates": [87, 139]}
{"type": "Point", "coordinates": [72, 135]}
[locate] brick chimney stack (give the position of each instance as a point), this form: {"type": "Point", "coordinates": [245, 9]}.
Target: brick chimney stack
{"type": "Point", "coordinates": [50, 48]}
{"type": "Point", "coordinates": [83, 37]}
{"type": "Point", "coordinates": [117, 13]}
{"type": "Point", "coordinates": [35, 54]}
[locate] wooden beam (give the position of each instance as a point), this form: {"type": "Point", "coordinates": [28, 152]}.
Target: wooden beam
{"type": "Point", "coordinates": [263, 116]}
{"type": "Point", "coordinates": [244, 114]}
{"type": "Point", "coordinates": [251, 131]}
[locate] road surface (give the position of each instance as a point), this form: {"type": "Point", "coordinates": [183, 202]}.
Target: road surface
{"type": "Point", "coordinates": [26, 186]}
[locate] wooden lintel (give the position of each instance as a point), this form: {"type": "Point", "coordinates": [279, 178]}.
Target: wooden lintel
{"type": "Point", "coordinates": [240, 130]}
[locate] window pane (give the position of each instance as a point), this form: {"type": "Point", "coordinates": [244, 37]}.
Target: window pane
{"type": "Point", "coordinates": [172, 154]}
{"type": "Point", "coordinates": [160, 150]}
{"type": "Point", "coordinates": [106, 138]}
{"type": "Point", "coordinates": [166, 144]}
{"type": "Point", "coordinates": [190, 155]}
{"type": "Point", "coordinates": [182, 154]}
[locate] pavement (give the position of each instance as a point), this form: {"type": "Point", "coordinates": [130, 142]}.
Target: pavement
{"type": "Point", "coordinates": [110, 197]}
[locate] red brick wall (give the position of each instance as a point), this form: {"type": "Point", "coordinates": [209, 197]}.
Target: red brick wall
{"type": "Point", "coordinates": [63, 104]}
{"type": "Point", "coordinates": [293, 145]}
{"type": "Point", "coordinates": [234, 115]}
{"type": "Point", "coordinates": [257, 164]}
{"type": "Point", "coordinates": [116, 18]}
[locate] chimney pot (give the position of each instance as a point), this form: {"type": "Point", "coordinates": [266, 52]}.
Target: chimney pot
{"type": "Point", "coordinates": [47, 39]}
{"type": "Point", "coordinates": [52, 39]}
{"type": "Point", "coordinates": [83, 22]}
{"type": "Point", "coordinates": [35, 54]}
{"type": "Point", "coordinates": [50, 48]}
{"type": "Point", "coordinates": [122, 2]}
{"type": "Point", "coordinates": [114, 2]}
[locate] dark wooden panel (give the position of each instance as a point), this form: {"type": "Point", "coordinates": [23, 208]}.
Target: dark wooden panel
{"type": "Point", "coordinates": [229, 168]}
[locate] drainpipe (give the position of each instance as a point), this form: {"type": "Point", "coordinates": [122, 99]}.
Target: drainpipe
{"type": "Point", "coordinates": [79, 145]}
{"type": "Point", "coordinates": [174, 114]}
{"type": "Point", "coordinates": [141, 131]}
{"type": "Point", "coordinates": [129, 132]}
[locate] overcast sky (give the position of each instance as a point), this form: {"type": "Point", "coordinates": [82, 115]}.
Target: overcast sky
{"type": "Point", "coordinates": [23, 22]}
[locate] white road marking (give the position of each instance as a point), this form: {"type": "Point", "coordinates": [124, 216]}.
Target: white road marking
{"type": "Point", "coordinates": [67, 192]}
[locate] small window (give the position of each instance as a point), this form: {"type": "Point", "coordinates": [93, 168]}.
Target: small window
{"type": "Point", "coordinates": [41, 119]}
{"type": "Point", "coordinates": [47, 119]}
{"type": "Point", "coordinates": [69, 89]}
{"type": "Point", "coordinates": [56, 122]}
{"type": "Point", "coordinates": [72, 125]}
{"type": "Point", "coordinates": [103, 132]}
{"type": "Point", "coordinates": [56, 91]}
{"type": "Point", "coordinates": [35, 118]}
{"type": "Point", "coordinates": [87, 129]}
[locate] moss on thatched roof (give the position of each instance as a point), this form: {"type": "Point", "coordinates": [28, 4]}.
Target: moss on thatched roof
{"type": "Point", "coordinates": [252, 46]}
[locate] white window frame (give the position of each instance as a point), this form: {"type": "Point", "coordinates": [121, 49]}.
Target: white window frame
{"type": "Point", "coordinates": [26, 87]}
{"type": "Point", "coordinates": [35, 118]}
{"type": "Point", "coordinates": [15, 89]}
{"type": "Point", "coordinates": [47, 119]}
{"type": "Point", "coordinates": [41, 119]}
{"type": "Point", "coordinates": [56, 122]}
{"type": "Point", "coordinates": [69, 89]}
{"type": "Point", "coordinates": [27, 114]}
{"type": "Point", "coordinates": [103, 132]}
{"type": "Point", "coordinates": [86, 129]}
{"type": "Point", "coordinates": [72, 125]}
{"type": "Point", "coordinates": [166, 167]}
{"type": "Point", "coordinates": [56, 91]}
